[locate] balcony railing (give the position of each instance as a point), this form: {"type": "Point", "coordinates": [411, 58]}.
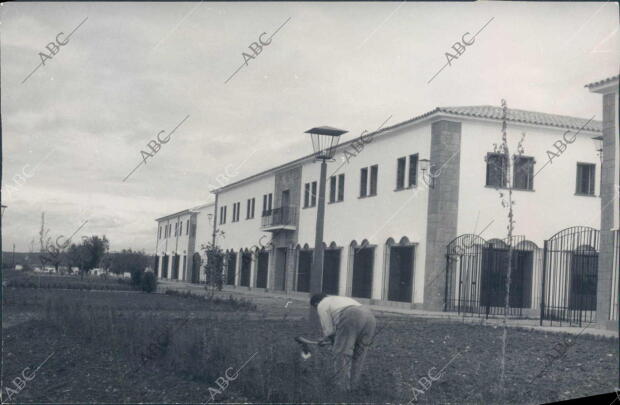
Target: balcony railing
{"type": "Point", "coordinates": [280, 218]}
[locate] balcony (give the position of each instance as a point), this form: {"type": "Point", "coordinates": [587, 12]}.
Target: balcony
{"type": "Point", "coordinates": [281, 218]}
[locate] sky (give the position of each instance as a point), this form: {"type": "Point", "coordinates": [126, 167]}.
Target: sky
{"type": "Point", "coordinates": [74, 129]}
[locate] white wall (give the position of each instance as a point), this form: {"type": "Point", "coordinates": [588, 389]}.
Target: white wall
{"type": "Point", "coordinates": [245, 233]}
{"type": "Point", "coordinates": [389, 214]}
{"type": "Point", "coordinates": [539, 214]}
{"type": "Point", "coordinates": [172, 243]}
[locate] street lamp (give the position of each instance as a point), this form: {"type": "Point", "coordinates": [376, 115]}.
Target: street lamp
{"type": "Point", "coordinates": [598, 144]}
{"type": "Point", "coordinates": [3, 208]}
{"type": "Point", "coordinates": [429, 179]}
{"type": "Point", "coordinates": [324, 141]}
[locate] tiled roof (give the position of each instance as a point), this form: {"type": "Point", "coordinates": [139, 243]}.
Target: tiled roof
{"type": "Point", "coordinates": [527, 117]}
{"type": "Point", "coordinates": [604, 81]}
{"type": "Point", "coordinates": [482, 111]}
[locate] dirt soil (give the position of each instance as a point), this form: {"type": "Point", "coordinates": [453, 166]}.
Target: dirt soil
{"type": "Point", "coordinates": [404, 351]}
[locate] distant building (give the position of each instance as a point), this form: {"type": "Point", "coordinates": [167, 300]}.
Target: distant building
{"type": "Point", "coordinates": [179, 238]}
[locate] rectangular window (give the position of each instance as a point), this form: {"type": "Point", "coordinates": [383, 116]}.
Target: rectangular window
{"type": "Point", "coordinates": [400, 173]}
{"type": "Point", "coordinates": [374, 171]}
{"type": "Point", "coordinates": [181, 228]}
{"type": "Point", "coordinates": [187, 227]}
{"type": "Point", "coordinates": [310, 195]}
{"type": "Point", "coordinates": [585, 178]}
{"type": "Point", "coordinates": [413, 170]}
{"type": "Point", "coordinates": [336, 188]}
{"type": "Point", "coordinates": [159, 233]}
{"type": "Point", "coordinates": [222, 215]}
{"type": "Point", "coordinates": [250, 208]}
{"type": "Point", "coordinates": [267, 201]}
{"type": "Point", "coordinates": [364, 182]}
{"type": "Point", "coordinates": [236, 212]}
{"type": "Point", "coordinates": [523, 178]}
{"type": "Point", "coordinates": [496, 170]}
{"type": "Point", "coordinates": [313, 196]}
{"type": "Point", "coordinates": [176, 228]}
{"type": "Point", "coordinates": [306, 195]}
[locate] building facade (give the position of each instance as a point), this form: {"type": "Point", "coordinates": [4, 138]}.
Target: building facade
{"type": "Point", "coordinates": [179, 238]}
{"type": "Point", "coordinates": [414, 215]}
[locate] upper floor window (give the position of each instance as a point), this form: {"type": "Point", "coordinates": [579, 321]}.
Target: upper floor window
{"type": "Point", "coordinates": [181, 228]}
{"type": "Point", "coordinates": [523, 176]}
{"type": "Point", "coordinates": [585, 178]}
{"type": "Point", "coordinates": [368, 187]}
{"type": "Point", "coordinates": [159, 233]}
{"type": "Point", "coordinates": [411, 174]}
{"type": "Point", "coordinates": [222, 215]}
{"type": "Point", "coordinates": [176, 228]}
{"type": "Point", "coordinates": [187, 227]}
{"type": "Point", "coordinates": [267, 201]}
{"type": "Point", "coordinates": [496, 170]}
{"type": "Point", "coordinates": [413, 170]}
{"type": "Point", "coordinates": [236, 209]}
{"type": "Point", "coordinates": [250, 208]}
{"type": "Point", "coordinates": [336, 188]}
{"type": "Point", "coordinates": [310, 194]}
{"type": "Point", "coordinates": [364, 182]}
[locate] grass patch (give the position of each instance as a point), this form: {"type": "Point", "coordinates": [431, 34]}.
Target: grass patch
{"type": "Point", "coordinates": [240, 304]}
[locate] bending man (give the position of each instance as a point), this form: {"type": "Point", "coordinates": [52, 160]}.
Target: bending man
{"type": "Point", "coordinates": [351, 328]}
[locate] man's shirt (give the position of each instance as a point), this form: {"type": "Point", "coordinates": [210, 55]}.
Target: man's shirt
{"type": "Point", "coordinates": [330, 309]}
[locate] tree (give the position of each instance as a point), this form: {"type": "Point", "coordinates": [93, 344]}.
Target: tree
{"type": "Point", "coordinates": [97, 248]}
{"type": "Point", "coordinates": [128, 261]}
{"type": "Point", "coordinates": [50, 253]}
{"type": "Point", "coordinates": [78, 256]}
{"type": "Point", "coordinates": [44, 241]}
{"type": "Point", "coordinates": [214, 267]}
{"type": "Point", "coordinates": [507, 202]}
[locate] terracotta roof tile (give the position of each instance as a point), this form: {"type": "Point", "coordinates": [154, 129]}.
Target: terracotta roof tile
{"type": "Point", "coordinates": [526, 117]}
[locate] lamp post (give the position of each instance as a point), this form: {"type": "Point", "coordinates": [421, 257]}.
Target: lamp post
{"type": "Point", "coordinates": [3, 208]}
{"type": "Point", "coordinates": [429, 179]}
{"type": "Point", "coordinates": [324, 142]}
{"type": "Point", "coordinates": [598, 144]}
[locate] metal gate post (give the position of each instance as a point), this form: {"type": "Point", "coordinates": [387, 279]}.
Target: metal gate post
{"type": "Point", "coordinates": [542, 291]}
{"type": "Point", "coordinates": [445, 295]}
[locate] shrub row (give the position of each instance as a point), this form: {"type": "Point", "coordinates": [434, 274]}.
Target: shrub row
{"type": "Point", "coordinates": [241, 304]}
{"type": "Point", "coordinates": [73, 285]}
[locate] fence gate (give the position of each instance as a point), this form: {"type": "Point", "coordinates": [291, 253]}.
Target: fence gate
{"type": "Point", "coordinates": [476, 273]}
{"type": "Point", "coordinates": [570, 270]}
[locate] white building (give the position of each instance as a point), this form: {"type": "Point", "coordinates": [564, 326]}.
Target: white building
{"type": "Point", "coordinates": [392, 231]}
{"type": "Point", "coordinates": [179, 239]}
